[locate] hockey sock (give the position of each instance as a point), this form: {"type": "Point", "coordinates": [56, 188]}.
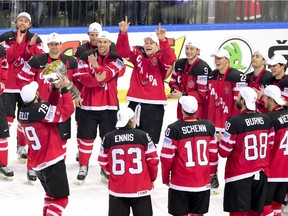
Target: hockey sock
{"type": "Point", "coordinates": [57, 206]}
{"type": "Point", "coordinates": [277, 207]}
{"type": "Point", "coordinates": [3, 151]}
{"type": "Point", "coordinates": [85, 151]}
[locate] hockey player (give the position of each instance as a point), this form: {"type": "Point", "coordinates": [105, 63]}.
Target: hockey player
{"type": "Point", "coordinates": [188, 147]}
{"type": "Point", "coordinates": [130, 156]}
{"type": "Point", "coordinates": [278, 175]}
{"type": "Point", "coordinates": [4, 131]}
{"type": "Point", "coordinates": [224, 84]}
{"type": "Point", "coordinates": [20, 46]}
{"type": "Point", "coordinates": [246, 144]}
{"type": "Point", "coordinates": [189, 77]}
{"type": "Point", "coordinates": [256, 78]}
{"type": "Point", "coordinates": [32, 70]}
{"type": "Point", "coordinates": [100, 69]}
{"type": "Point", "coordinates": [93, 32]}
{"type": "Point", "coordinates": [39, 120]}
{"type": "Point", "coordinates": [146, 93]}
{"type": "Point", "coordinates": [278, 66]}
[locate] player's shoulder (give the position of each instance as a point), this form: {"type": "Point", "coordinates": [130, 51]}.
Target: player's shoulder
{"type": "Point", "coordinates": [38, 61]}
{"type": "Point", "coordinates": [7, 36]}
{"type": "Point", "coordinates": [180, 63]}
{"type": "Point", "coordinates": [72, 62]}
{"type": "Point", "coordinates": [81, 49]}
{"type": "Point", "coordinates": [114, 55]}
{"type": "Point", "coordinates": [30, 35]}
{"type": "Point", "coordinates": [235, 75]}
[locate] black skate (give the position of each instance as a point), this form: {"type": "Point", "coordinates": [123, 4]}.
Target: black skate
{"type": "Point", "coordinates": [83, 172]}
{"type": "Point", "coordinates": [6, 173]}
{"type": "Point", "coordinates": [31, 175]}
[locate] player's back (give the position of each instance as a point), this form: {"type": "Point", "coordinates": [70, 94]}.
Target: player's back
{"type": "Point", "coordinates": [192, 141]}
{"type": "Point", "coordinates": [246, 142]}
{"type": "Point", "coordinates": [132, 157]}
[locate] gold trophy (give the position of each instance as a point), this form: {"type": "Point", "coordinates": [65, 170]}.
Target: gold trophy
{"type": "Point", "coordinates": [56, 72]}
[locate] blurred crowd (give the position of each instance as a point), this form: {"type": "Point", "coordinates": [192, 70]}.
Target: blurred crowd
{"type": "Point", "coordinates": [80, 13]}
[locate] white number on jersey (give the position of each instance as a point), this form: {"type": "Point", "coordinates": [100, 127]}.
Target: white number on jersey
{"type": "Point", "coordinates": [251, 148]}
{"type": "Point", "coordinates": [32, 137]}
{"type": "Point", "coordinates": [284, 143]}
{"type": "Point", "coordinates": [201, 146]}
{"type": "Point", "coordinates": [118, 167]}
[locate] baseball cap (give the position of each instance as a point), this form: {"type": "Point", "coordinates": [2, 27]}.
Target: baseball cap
{"type": "Point", "coordinates": [274, 92]}
{"type": "Point", "coordinates": [193, 44]}
{"type": "Point", "coordinates": [277, 59]}
{"type": "Point", "coordinates": [123, 116]}
{"type": "Point", "coordinates": [28, 92]}
{"type": "Point", "coordinates": [189, 103]}
{"type": "Point", "coordinates": [24, 14]}
{"type": "Point", "coordinates": [262, 53]}
{"type": "Point", "coordinates": [54, 37]}
{"type": "Point", "coordinates": [221, 53]}
{"type": "Point", "coordinates": [250, 97]}
{"type": "Point", "coordinates": [95, 27]}
{"type": "Point", "coordinates": [104, 35]}
{"type": "Point", "coordinates": [153, 37]}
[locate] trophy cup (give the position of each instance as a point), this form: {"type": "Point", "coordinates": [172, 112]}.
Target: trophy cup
{"type": "Point", "coordinates": [56, 72]}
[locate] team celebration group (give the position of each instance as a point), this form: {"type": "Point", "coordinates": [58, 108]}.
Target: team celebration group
{"type": "Point", "coordinates": [241, 117]}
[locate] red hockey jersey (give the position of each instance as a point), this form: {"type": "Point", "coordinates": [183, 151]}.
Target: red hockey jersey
{"type": "Point", "coordinates": [39, 124]}
{"type": "Point", "coordinates": [278, 170]}
{"type": "Point", "coordinates": [130, 156]}
{"type": "Point", "coordinates": [17, 54]}
{"type": "Point", "coordinates": [103, 95]}
{"type": "Point", "coordinates": [186, 155]}
{"type": "Point", "coordinates": [246, 142]}
{"type": "Point", "coordinates": [222, 95]}
{"type": "Point", "coordinates": [147, 79]}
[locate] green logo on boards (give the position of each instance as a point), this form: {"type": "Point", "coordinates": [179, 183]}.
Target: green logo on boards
{"type": "Point", "coordinates": [240, 53]}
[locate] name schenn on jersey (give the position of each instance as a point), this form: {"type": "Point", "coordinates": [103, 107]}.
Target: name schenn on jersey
{"type": "Point", "coordinates": [194, 128]}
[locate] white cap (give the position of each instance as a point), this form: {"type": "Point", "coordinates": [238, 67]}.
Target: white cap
{"type": "Point", "coordinates": [104, 35]}
{"type": "Point", "coordinates": [189, 103]}
{"type": "Point", "coordinates": [153, 37]}
{"type": "Point", "coordinates": [95, 27]}
{"type": "Point", "coordinates": [28, 92]}
{"type": "Point", "coordinates": [193, 44]}
{"type": "Point", "coordinates": [24, 14]}
{"type": "Point", "coordinates": [277, 59]}
{"type": "Point", "coordinates": [250, 97]}
{"type": "Point", "coordinates": [274, 92]}
{"type": "Point", "coordinates": [123, 116]}
{"type": "Point", "coordinates": [262, 53]}
{"type": "Point", "coordinates": [54, 37]}
{"type": "Point", "coordinates": [221, 53]}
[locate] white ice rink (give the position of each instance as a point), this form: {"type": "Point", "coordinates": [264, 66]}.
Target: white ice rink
{"type": "Point", "coordinates": [21, 198]}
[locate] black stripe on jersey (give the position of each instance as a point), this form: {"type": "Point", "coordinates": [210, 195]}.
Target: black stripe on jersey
{"type": "Point", "coordinates": [248, 122]}
{"type": "Point", "coordinates": [186, 129]}
{"type": "Point", "coordinates": [7, 36]}
{"type": "Point", "coordinates": [279, 118]}
{"type": "Point", "coordinates": [126, 137]}
{"type": "Point", "coordinates": [33, 113]}
{"type": "Point", "coordinates": [233, 75]}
